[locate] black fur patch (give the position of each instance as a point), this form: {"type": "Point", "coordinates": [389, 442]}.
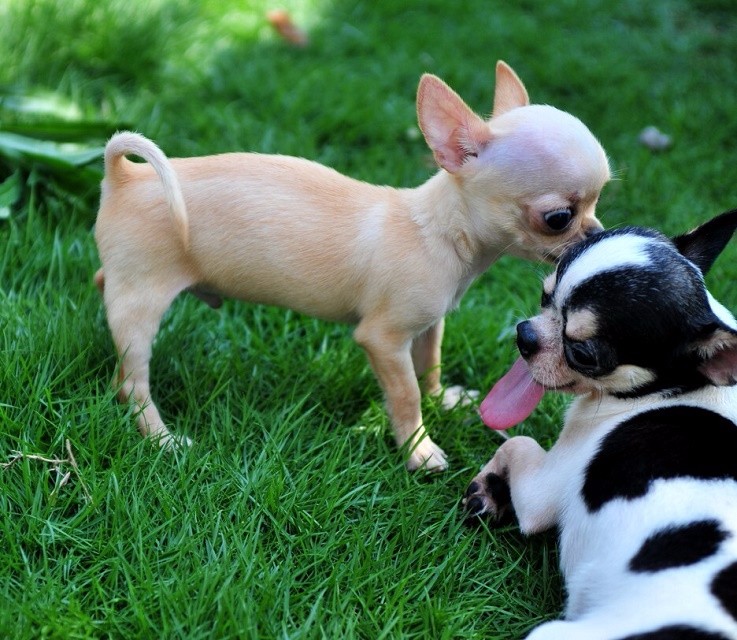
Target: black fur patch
{"type": "Point", "coordinates": [671, 442]}
{"type": "Point", "coordinates": [677, 632]}
{"type": "Point", "coordinates": [724, 588]}
{"type": "Point", "coordinates": [678, 546]}
{"type": "Point", "coordinates": [703, 245]}
{"type": "Point", "coordinates": [498, 489]}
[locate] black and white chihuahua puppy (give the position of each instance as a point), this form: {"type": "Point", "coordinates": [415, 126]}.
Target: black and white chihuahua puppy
{"type": "Point", "coordinates": [642, 481]}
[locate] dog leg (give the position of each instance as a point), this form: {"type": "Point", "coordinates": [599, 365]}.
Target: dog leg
{"type": "Point", "coordinates": [426, 350]}
{"type": "Point", "coordinates": [134, 317]}
{"type": "Point", "coordinates": [426, 358]}
{"type": "Point", "coordinates": [515, 477]}
{"type": "Point", "coordinates": [389, 354]}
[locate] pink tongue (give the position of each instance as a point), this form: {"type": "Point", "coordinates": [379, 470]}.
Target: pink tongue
{"type": "Point", "coordinates": [512, 399]}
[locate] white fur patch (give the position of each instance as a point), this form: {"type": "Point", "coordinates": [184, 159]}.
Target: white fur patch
{"type": "Point", "coordinates": [721, 312]}
{"type": "Point", "coordinates": [612, 253]}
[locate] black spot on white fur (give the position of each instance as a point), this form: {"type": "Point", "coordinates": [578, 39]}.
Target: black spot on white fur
{"type": "Point", "coordinates": [670, 442]}
{"type": "Point", "coordinates": [677, 632]}
{"type": "Point", "coordinates": [678, 546]}
{"type": "Point", "coordinates": [724, 588]}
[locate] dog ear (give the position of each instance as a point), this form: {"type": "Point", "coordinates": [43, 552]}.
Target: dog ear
{"type": "Point", "coordinates": [719, 351]}
{"type": "Point", "coordinates": [451, 129]}
{"type": "Point", "coordinates": [509, 92]}
{"type": "Point", "coordinates": [703, 245]}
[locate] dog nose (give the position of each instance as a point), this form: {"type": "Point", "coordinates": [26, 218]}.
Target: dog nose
{"type": "Point", "coordinates": [527, 341]}
{"type": "Point", "coordinates": [593, 229]}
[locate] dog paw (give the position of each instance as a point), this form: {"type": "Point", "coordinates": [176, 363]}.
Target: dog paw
{"type": "Point", "coordinates": [457, 395]}
{"type": "Point", "coordinates": [488, 497]}
{"type": "Point", "coordinates": [427, 456]}
{"type": "Point", "coordinates": [172, 442]}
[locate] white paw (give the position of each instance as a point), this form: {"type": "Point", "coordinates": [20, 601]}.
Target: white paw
{"type": "Point", "coordinates": [457, 395]}
{"type": "Point", "coordinates": [172, 442]}
{"type": "Point", "coordinates": [427, 456]}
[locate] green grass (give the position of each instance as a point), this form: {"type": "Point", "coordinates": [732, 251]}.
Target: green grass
{"type": "Point", "coordinates": [292, 516]}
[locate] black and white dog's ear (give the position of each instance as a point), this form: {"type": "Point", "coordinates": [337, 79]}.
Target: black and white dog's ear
{"type": "Point", "coordinates": [719, 353]}
{"type": "Point", "coordinates": [703, 245]}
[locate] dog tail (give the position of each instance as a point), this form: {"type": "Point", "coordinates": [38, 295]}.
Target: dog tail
{"type": "Point", "coordinates": [128, 143]}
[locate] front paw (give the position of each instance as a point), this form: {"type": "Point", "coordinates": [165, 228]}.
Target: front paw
{"type": "Point", "coordinates": [172, 442]}
{"type": "Point", "coordinates": [488, 497]}
{"type": "Point", "coordinates": [457, 395]}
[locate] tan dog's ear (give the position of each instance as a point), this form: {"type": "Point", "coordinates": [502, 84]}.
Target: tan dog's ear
{"type": "Point", "coordinates": [451, 129]}
{"type": "Point", "coordinates": [509, 92]}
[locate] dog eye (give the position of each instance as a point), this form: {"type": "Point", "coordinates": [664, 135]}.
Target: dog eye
{"type": "Point", "coordinates": [581, 355]}
{"type": "Point", "coordinates": [558, 219]}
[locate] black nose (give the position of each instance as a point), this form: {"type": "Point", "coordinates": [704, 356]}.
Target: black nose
{"type": "Point", "coordinates": [594, 230]}
{"type": "Point", "coordinates": [527, 341]}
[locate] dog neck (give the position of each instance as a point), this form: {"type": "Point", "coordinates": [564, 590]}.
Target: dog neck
{"type": "Point", "coordinates": [596, 408]}
{"type": "Point", "coordinates": [441, 210]}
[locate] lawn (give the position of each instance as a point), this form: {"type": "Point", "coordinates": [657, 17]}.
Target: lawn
{"type": "Point", "coordinates": [292, 515]}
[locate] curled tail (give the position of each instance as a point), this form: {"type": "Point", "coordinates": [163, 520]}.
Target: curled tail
{"type": "Point", "coordinates": [128, 143]}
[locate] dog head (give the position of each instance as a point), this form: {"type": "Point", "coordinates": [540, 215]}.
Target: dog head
{"type": "Point", "coordinates": [531, 175]}
{"type": "Point", "coordinates": [626, 313]}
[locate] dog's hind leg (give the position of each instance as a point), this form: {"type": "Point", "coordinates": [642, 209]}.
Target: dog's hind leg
{"type": "Point", "coordinates": [426, 357]}
{"type": "Point", "coordinates": [134, 314]}
{"type": "Point", "coordinates": [389, 352]}
{"type": "Point", "coordinates": [426, 349]}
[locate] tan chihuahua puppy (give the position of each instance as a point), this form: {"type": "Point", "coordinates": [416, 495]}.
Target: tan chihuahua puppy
{"type": "Point", "coordinates": [290, 232]}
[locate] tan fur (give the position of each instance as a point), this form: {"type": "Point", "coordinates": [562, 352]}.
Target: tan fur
{"type": "Point", "coordinates": [581, 325]}
{"type": "Point", "coordinates": [287, 231]}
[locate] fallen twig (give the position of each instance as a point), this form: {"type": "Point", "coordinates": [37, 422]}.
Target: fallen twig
{"type": "Point", "coordinates": [62, 477]}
